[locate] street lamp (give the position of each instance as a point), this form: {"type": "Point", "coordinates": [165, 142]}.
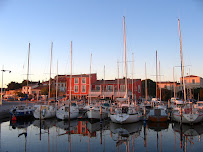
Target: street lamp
{"type": "Point", "coordinates": [2, 82]}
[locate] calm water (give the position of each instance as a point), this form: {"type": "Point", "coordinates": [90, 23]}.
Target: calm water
{"type": "Point", "coordinates": [54, 135]}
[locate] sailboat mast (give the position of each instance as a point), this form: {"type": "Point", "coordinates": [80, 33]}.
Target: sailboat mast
{"type": "Point", "coordinates": [28, 69]}
{"type": "Point", "coordinates": [174, 88]}
{"type": "Point", "coordinates": [190, 85]}
{"type": "Point", "coordinates": [145, 82]}
{"type": "Point", "coordinates": [125, 56]}
{"type": "Point", "coordinates": [182, 67]}
{"type": "Point", "coordinates": [118, 79]}
{"type": "Point", "coordinates": [57, 82]}
{"type": "Point", "coordinates": [90, 80]}
{"type": "Point", "coordinates": [160, 79]}
{"type": "Point", "coordinates": [156, 75]}
{"type": "Point", "coordinates": [71, 76]}
{"type": "Point", "coordinates": [50, 73]}
{"type": "Point", "coordinates": [132, 74]}
{"type": "Point", "coordinates": [104, 82]}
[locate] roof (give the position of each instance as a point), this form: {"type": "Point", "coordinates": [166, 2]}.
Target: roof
{"type": "Point", "coordinates": [30, 85]}
{"type": "Point", "coordinates": [190, 76]}
{"type": "Point", "coordinates": [76, 75]}
{"type": "Point", "coordinates": [121, 81]}
{"type": "Point", "coordinates": [166, 82]}
{"type": "Point", "coordinates": [40, 87]}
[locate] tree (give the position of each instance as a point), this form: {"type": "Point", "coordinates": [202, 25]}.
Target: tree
{"type": "Point", "coordinates": [44, 91]}
{"type": "Point", "coordinates": [24, 82]}
{"type": "Point", "coordinates": [151, 88]}
{"type": "Point", "coordinates": [165, 94]}
{"type": "Point", "coordinates": [13, 86]}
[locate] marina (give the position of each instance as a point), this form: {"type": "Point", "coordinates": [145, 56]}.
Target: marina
{"type": "Point", "coordinates": [101, 76]}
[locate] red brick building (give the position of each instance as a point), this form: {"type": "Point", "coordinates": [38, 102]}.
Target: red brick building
{"type": "Point", "coordinates": [99, 88]}
{"type": "Point", "coordinates": [80, 85]}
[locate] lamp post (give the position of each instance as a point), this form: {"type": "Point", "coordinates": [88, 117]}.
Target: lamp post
{"type": "Point", "coordinates": [2, 82]}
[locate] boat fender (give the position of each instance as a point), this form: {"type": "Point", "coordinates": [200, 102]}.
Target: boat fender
{"type": "Point", "coordinates": [14, 118]}
{"type": "Point", "coordinates": [43, 112]}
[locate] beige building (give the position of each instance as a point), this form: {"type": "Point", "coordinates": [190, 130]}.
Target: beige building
{"type": "Point", "coordinates": [169, 85]}
{"type": "Point", "coordinates": [193, 81]}
{"type": "Point", "coordinates": [28, 90]}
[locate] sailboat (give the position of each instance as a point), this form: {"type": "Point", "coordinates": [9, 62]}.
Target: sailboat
{"type": "Point", "coordinates": [96, 111]}
{"type": "Point", "coordinates": [125, 113]}
{"type": "Point", "coordinates": [186, 114]}
{"type": "Point", "coordinates": [22, 111]}
{"type": "Point", "coordinates": [69, 110]}
{"type": "Point", "coordinates": [46, 111]}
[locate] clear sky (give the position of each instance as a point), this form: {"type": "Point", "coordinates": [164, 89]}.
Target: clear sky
{"type": "Point", "coordinates": [96, 26]}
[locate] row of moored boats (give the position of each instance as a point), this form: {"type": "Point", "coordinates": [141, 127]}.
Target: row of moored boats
{"type": "Point", "coordinates": [121, 111]}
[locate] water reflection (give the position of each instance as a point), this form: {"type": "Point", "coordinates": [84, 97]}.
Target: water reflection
{"type": "Point", "coordinates": [20, 124]}
{"type": "Point", "coordinates": [187, 134]}
{"type": "Point", "coordinates": [44, 124]}
{"type": "Point", "coordinates": [92, 127]}
{"type": "Point", "coordinates": [53, 135]}
{"type": "Point", "coordinates": [66, 125]}
{"type": "Point", "coordinates": [127, 129]}
{"type": "Point", "coordinates": [124, 134]}
{"type": "Point", "coordinates": [158, 126]}
{"type": "Point", "coordinates": [188, 130]}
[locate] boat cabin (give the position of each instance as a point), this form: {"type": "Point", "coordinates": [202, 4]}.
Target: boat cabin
{"type": "Point", "coordinates": [125, 108]}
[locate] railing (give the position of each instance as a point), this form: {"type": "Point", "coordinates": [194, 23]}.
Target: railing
{"type": "Point", "coordinates": [108, 93]}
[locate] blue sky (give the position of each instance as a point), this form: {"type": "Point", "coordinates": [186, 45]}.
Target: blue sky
{"type": "Point", "coordinates": [96, 27]}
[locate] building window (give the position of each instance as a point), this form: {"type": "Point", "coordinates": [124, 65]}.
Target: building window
{"type": "Point", "coordinates": [62, 85]}
{"type": "Point", "coordinates": [97, 87]}
{"type": "Point", "coordinates": [122, 88]}
{"type": "Point", "coordinates": [76, 88]}
{"type": "Point", "coordinates": [139, 89]}
{"type": "Point", "coordinates": [83, 80]}
{"type": "Point", "coordinates": [83, 130]}
{"type": "Point", "coordinates": [76, 80]}
{"type": "Point", "coordinates": [75, 129]}
{"type": "Point", "coordinates": [193, 81]}
{"type": "Point", "coordinates": [110, 87]}
{"type": "Point", "coordinates": [116, 87]}
{"type": "Point", "coordinates": [83, 123]}
{"type": "Point", "coordinates": [83, 88]}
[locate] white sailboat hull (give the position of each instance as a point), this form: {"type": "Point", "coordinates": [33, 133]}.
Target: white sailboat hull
{"type": "Point", "coordinates": [188, 118]}
{"type": "Point", "coordinates": [46, 112]}
{"type": "Point", "coordinates": [63, 114]}
{"type": "Point", "coordinates": [125, 118]}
